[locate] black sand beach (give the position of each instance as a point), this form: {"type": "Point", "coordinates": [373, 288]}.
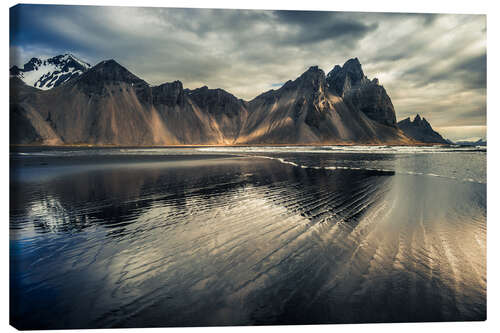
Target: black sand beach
{"type": "Point", "coordinates": [195, 238]}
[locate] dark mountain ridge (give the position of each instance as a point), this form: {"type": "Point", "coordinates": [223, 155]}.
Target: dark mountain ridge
{"type": "Point", "coordinates": [359, 92]}
{"type": "Point", "coordinates": [308, 111]}
{"type": "Point", "coordinates": [107, 104]}
{"type": "Point", "coordinates": [479, 142]}
{"type": "Point", "coordinates": [420, 130]}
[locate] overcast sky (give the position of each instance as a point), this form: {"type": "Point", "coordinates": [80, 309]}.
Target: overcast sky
{"type": "Point", "coordinates": [434, 65]}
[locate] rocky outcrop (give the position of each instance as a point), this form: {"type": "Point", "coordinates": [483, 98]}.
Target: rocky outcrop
{"type": "Point", "coordinates": [361, 93]}
{"type": "Point", "coordinates": [216, 101]}
{"type": "Point", "coordinates": [171, 94]}
{"type": "Point", "coordinates": [109, 105]}
{"type": "Point", "coordinates": [420, 130]}
{"type": "Point", "coordinates": [228, 112]}
{"type": "Point", "coordinates": [349, 76]}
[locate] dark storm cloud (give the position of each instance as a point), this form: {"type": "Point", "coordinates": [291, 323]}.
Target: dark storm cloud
{"type": "Point", "coordinates": [470, 72]}
{"type": "Point", "coordinates": [310, 27]}
{"type": "Point", "coordinates": [425, 19]}
{"type": "Point", "coordinates": [473, 71]}
{"type": "Point", "coordinates": [433, 64]}
{"type": "Point", "coordinates": [479, 113]}
{"type": "Point", "coordinates": [34, 33]}
{"type": "Point", "coordinates": [237, 20]}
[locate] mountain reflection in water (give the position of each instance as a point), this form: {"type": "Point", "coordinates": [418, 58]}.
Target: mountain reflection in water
{"type": "Point", "coordinates": [240, 241]}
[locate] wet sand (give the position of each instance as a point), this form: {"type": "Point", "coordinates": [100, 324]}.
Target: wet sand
{"type": "Point", "coordinates": [215, 239]}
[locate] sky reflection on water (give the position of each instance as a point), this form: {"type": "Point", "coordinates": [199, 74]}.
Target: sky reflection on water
{"type": "Point", "coordinates": [239, 241]}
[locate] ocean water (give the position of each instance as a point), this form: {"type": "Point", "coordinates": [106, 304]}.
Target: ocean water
{"type": "Point", "coordinates": [133, 237]}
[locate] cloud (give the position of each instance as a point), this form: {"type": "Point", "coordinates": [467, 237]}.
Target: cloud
{"type": "Point", "coordinates": [433, 64]}
{"type": "Point", "coordinates": [469, 71]}
{"type": "Point", "coordinates": [308, 27]}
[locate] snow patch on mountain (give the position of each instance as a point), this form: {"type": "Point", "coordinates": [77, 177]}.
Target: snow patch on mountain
{"type": "Point", "coordinates": [50, 72]}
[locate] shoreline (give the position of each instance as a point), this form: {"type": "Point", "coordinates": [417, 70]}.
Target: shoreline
{"type": "Point", "coordinates": [224, 145]}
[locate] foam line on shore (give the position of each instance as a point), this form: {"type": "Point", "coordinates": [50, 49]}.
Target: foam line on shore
{"type": "Point", "coordinates": [411, 173]}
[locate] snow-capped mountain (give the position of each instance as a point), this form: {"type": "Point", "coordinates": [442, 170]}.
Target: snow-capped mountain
{"type": "Point", "coordinates": [51, 72]}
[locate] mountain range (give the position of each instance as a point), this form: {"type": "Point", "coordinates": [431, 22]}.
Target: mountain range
{"type": "Point", "coordinates": [73, 103]}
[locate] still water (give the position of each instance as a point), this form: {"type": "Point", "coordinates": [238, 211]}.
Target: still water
{"type": "Point", "coordinates": [246, 236]}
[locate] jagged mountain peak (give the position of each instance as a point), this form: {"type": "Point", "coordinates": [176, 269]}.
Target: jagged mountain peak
{"type": "Point", "coordinates": [69, 59]}
{"type": "Point", "coordinates": [350, 82]}
{"type": "Point", "coordinates": [314, 73]}
{"type": "Point", "coordinates": [109, 71]}
{"type": "Point", "coordinates": [48, 73]}
{"type": "Point", "coordinates": [62, 60]}
{"type": "Point", "coordinates": [310, 81]}
{"type": "Point", "coordinates": [349, 76]}
{"type": "Point", "coordinates": [314, 70]}
{"type": "Point", "coordinates": [353, 65]}
{"type": "Point", "coordinates": [313, 78]}
{"type": "Point", "coordinates": [418, 121]}
{"type": "Point", "coordinates": [354, 69]}
{"type": "Point", "coordinates": [216, 101]}
{"type": "Point", "coordinates": [169, 93]}
{"type": "Point", "coordinates": [109, 64]}
{"type": "Point", "coordinates": [206, 89]}
{"type": "Point", "coordinates": [109, 77]}
{"type": "Point", "coordinates": [420, 129]}
{"type": "Point", "coordinates": [176, 83]}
